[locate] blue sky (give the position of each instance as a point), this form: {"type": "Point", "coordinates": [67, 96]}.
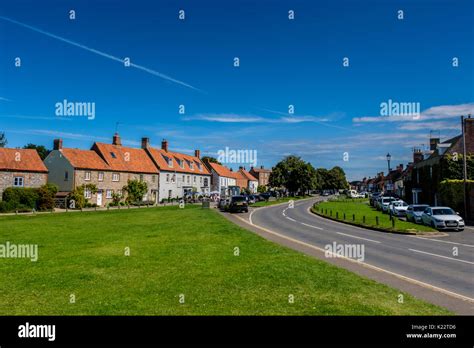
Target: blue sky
{"type": "Point", "coordinates": [282, 62]}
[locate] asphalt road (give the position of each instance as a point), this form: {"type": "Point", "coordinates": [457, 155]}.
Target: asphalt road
{"type": "Point", "coordinates": [427, 260]}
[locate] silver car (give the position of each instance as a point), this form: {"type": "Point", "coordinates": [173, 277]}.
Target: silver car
{"type": "Point", "coordinates": [442, 218]}
{"type": "Point", "coordinates": [414, 212]}
{"type": "Point", "coordinates": [398, 208]}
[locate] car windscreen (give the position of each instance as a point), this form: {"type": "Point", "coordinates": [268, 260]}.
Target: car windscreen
{"type": "Point", "coordinates": [238, 199]}
{"type": "Point", "coordinates": [443, 211]}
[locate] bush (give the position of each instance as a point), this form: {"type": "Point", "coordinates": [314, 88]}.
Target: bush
{"type": "Point", "coordinates": [19, 196]}
{"type": "Point", "coordinates": [46, 194]}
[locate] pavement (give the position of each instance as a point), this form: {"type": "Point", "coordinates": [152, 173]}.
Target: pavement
{"type": "Point", "coordinates": [439, 270]}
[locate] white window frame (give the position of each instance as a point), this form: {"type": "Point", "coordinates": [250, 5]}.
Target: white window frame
{"type": "Point", "coordinates": [115, 177]}
{"type": "Point", "coordinates": [87, 193]}
{"type": "Point", "coordinates": [87, 176]}
{"type": "Point", "coordinates": [100, 176]}
{"type": "Point", "coordinates": [21, 181]}
{"type": "Point", "coordinates": [108, 193]}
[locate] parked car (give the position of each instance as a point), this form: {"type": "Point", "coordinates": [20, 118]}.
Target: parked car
{"type": "Point", "coordinates": [414, 212]}
{"type": "Point", "coordinates": [442, 218]}
{"type": "Point", "coordinates": [223, 204]}
{"type": "Point", "coordinates": [373, 198]}
{"type": "Point", "coordinates": [384, 203]}
{"type": "Point", "coordinates": [325, 194]}
{"type": "Point", "coordinates": [266, 196]}
{"type": "Point", "coordinates": [251, 199]}
{"type": "Point", "coordinates": [238, 204]}
{"type": "Point", "coordinates": [398, 208]}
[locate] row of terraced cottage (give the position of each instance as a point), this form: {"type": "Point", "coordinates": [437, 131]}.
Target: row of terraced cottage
{"type": "Point", "coordinates": [109, 166]}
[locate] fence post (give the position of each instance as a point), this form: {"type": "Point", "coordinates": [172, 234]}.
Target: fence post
{"type": "Point", "coordinates": [353, 217]}
{"type": "Point", "coordinates": [393, 223]}
{"type": "Point", "coordinates": [377, 220]}
{"type": "Point", "coordinates": [337, 215]}
{"type": "Point", "coordinates": [363, 219]}
{"type": "Point", "coordinates": [344, 216]}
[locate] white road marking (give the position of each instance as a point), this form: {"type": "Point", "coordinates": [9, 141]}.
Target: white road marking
{"type": "Point", "coordinates": [444, 257]}
{"type": "Point", "coordinates": [319, 228]}
{"type": "Point", "coordinates": [290, 219]}
{"type": "Point", "coordinates": [411, 280]}
{"type": "Point", "coordinates": [443, 241]}
{"type": "Point", "coordinates": [350, 235]}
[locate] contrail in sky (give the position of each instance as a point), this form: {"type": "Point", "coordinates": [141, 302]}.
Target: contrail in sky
{"type": "Point", "coordinates": [100, 53]}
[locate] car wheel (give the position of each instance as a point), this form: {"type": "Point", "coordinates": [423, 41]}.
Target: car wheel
{"type": "Point", "coordinates": [460, 229]}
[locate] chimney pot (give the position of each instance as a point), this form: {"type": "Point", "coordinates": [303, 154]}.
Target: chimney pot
{"type": "Point", "coordinates": [116, 140]}
{"type": "Point", "coordinates": [58, 144]}
{"type": "Point", "coordinates": [197, 153]}
{"type": "Point", "coordinates": [164, 145]}
{"type": "Point", "coordinates": [145, 143]}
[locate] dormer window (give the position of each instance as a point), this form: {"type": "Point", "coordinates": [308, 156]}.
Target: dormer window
{"type": "Point", "coordinates": [199, 166]}
{"type": "Point", "coordinates": [181, 163]}
{"type": "Point", "coordinates": [168, 160]}
{"type": "Point", "coordinates": [113, 155]}
{"type": "Point", "coordinates": [191, 165]}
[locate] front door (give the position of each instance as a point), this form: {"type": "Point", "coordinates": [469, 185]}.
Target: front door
{"type": "Point", "coordinates": [99, 198]}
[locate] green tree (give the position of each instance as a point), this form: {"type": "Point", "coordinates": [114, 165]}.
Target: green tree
{"type": "Point", "coordinates": [78, 198]}
{"type": "Point", "coordinates": [261, 188]}
{"type": "Point", "coordinates": [296, 175]}
{"type": "Point", "coordinates": [46, 194]}
{"type": "Point", "coordinates": [209, 159]}
{"type": "Point", "coordinates": [3, 140]}
{"type": "Point", "coordinates": [135, 189]}
{"type": "Point", "coordinates": [43, 152]}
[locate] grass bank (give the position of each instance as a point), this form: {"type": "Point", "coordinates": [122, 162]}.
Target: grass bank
{"type": "Point", "coordinates": [175, 254]}
{"type": "Point", "coordinates": [360, 213]}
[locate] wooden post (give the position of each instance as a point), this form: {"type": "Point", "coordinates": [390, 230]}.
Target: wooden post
{"type": "Point", "coordinates": [393, 223]}
{"type": "Point", "coordinates": [353, 217]}
{"type": "Point", "coordinates": [344, 216]}
{"type": "Point", "coordinates": [377, 220]}
{"type": "Point", "coordinates": [363, 219]}
{"type": "Point", "coordinates": [337, 215]}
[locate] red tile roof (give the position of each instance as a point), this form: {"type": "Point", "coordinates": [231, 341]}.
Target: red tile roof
{"type": "Point", "coordinates": [84, 159]}
{"type": "Point", "coordinates": [247, 175]}
{"type": "Point", "coordinates": [159, 155]}
{"type": "Point", "coordinates": [223, 171]}
{"type": "Point", "coordinates": [126, 159]}
{"type": "Point", "coordinates": [24, 160]}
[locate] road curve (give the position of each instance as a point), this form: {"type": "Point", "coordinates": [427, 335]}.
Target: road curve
{"type": "Point", "coordinates": [430, 261]}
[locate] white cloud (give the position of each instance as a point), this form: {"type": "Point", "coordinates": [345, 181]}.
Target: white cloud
{"type": "Point", "coordinates": [237, 118]}
{"type": "Point", "coordinates": [432, 113]}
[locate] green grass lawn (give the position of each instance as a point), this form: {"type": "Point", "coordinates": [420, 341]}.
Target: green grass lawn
{"type": "Point", "coordinates": [277, 201]}
{"type": "Point", "coordinates": [361, 208]}
{"type": "Point", "coordinates": [175, 251]}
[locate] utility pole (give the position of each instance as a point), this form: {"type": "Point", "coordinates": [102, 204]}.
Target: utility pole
{"type": "Point", "coordinates": [464, 166]}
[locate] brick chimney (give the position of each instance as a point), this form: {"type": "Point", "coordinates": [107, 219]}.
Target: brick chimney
{"type": "Point", "coordinates": [57, 144]}
{"type": "Point", "coordinates": [197, 153]}
{"type": "Point", "coordinates": [145, 143]}
{"type": "Point", "coordinates": [433, 143]}
{"type": "Point", "coordinates": [164, 145]}
{"type": "Point", "coordinates": [116, 140]}
{"type": "Point", "coordinates": [417, 155]}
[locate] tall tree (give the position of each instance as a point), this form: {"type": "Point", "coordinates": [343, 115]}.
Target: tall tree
{"type": "Point", "coordinates": [43, 152]}
{"type": "Point", "coordinates": [3, 140]}
{"type": "Point", "coordinates": [296, 175]}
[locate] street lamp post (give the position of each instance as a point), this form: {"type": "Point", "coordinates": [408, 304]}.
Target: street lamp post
{"type": "Point", "coordinates": [389, 157]}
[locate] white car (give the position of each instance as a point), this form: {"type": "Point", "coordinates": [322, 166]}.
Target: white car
{"type": "Point", "coordinates": [398, 208]}
{"type": "Point", "coordinates": [385, 203]}
{"type": "Point", "coordinates": [442, 218]}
